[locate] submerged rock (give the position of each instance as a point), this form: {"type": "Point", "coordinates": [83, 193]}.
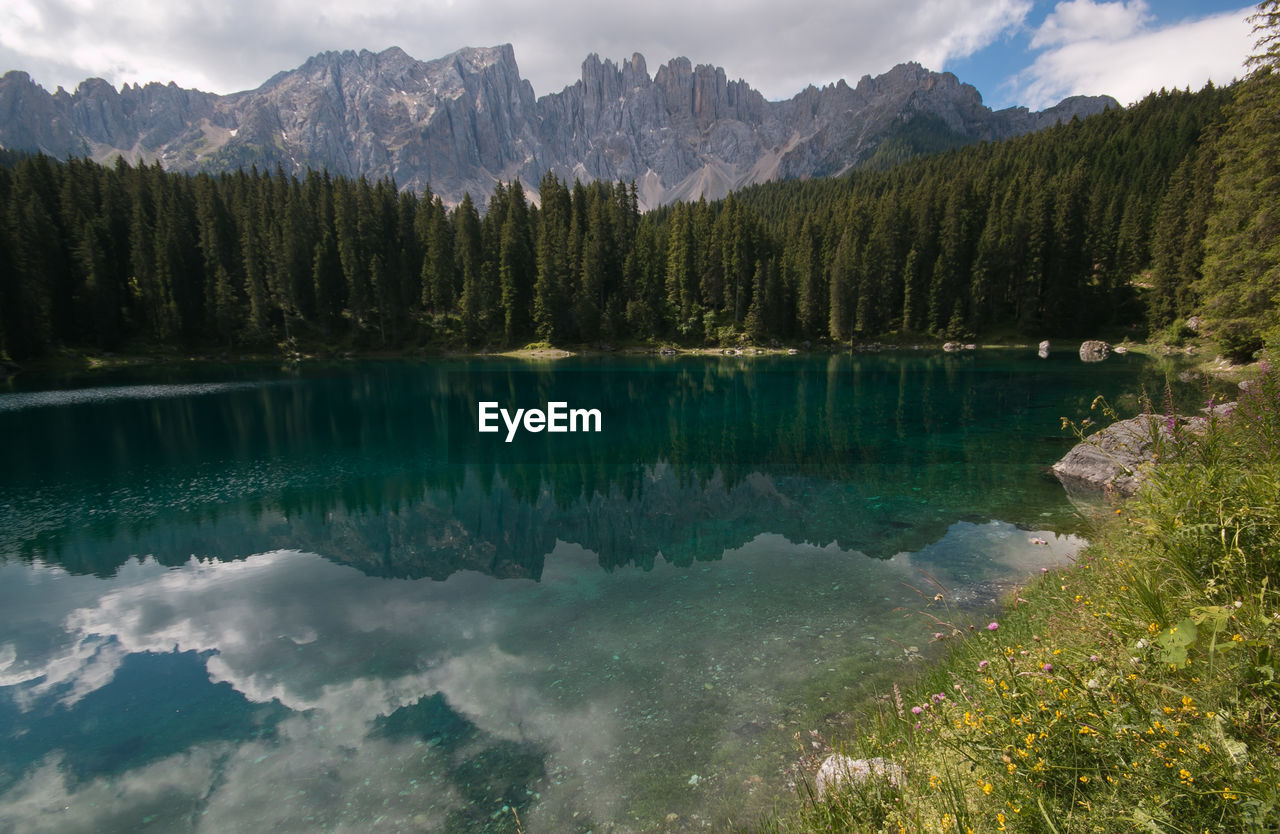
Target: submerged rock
{"type": "Point", "coordinates": [837, 769]}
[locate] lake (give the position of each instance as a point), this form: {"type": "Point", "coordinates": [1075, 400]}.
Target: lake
{"type": "Point", "coordinates": [247, 597]}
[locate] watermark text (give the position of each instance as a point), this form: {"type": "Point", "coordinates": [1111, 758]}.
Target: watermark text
{"type": "Point", "coordinates": [557, 418]}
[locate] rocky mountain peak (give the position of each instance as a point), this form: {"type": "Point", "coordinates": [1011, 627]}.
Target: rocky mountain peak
{"type": "Point", "coordinates": [635, 73]}
{"type": "Point", "coordinates": [463, 121]}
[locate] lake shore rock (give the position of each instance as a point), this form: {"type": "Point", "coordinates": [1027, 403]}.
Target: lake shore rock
{"type": "Point", "coordinates": [1094, 351]}
{"type": "Point", "coordinates": [837, 769]}
{"type": "Point", "coordinates": [1112, 461]}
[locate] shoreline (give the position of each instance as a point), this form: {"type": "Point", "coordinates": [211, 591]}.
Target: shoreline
{"type": "Point", "coordinates": [86, 361]}
{"type": "Point", "coordinates": [1038, 715]}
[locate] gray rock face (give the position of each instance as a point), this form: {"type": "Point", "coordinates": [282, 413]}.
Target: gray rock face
{"type": "Point", "coordinates": [462, 122]}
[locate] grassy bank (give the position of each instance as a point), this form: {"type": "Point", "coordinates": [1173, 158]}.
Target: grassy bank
{"type": "Point", "coordinates": [1135, 690]}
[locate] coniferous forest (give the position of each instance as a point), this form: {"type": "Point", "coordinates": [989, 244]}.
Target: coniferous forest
{"type": "Point", "coordinates": [1136, 218]}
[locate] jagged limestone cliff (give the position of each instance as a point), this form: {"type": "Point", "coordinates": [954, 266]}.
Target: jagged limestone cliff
{"type": "Point", "coordinates": [462, 122]}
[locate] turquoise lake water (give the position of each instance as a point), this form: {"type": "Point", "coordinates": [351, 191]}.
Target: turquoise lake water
{"type": "Point", "coordinates": [248, 598]}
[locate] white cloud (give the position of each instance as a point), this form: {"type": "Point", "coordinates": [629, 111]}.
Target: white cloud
{"type": "Point", "coordinates": [779, 48]}
{"type": "Point", "coordinates": [1085, 20]}
{"type": "Point", "coordinates": [300, 630]}
{"type": "Point", "coordinates": [1088, 59]}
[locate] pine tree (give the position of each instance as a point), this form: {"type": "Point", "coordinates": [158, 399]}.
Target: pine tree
{"type": "Point", "coordinates": [326, 277]}
{"type": "Point", "coordinates": [755, 323]}
{"type": "Point", "coordinates": [516, 267]}
{"type": "Point", "coordinates": [682, 290]}
{"type": "Point", "coordinates": [438, 271]}
{"type": "Point", "coordinates": [1242, 247]}
{"type": "Point", "coordinates": [910, 291]}
{"type": "Point", "coordinates": [549, 287]}
{"type": "Point", "coordinates": [28, 307]}
{"type": "Point", "coordinates": [253, 264]}
{"type": "Point", "coordinates": [467, 257]}
{"type": "Point", "coordinates": [811, 309]}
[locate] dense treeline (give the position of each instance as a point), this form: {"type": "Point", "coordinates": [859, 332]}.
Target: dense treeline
{"type": "Point", "coordinates": [1049, 233]}
{"type": "Point", "coordinates": [1044, 234]}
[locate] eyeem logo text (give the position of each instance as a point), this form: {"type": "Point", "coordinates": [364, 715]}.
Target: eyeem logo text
{"type": "Point", "coordinates": [558, 418]}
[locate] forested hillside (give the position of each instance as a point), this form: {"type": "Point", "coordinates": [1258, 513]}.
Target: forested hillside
{"type": "Point", "coordinates": [1094, 223]}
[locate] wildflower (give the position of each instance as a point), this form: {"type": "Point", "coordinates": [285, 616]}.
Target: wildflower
{"type": "Point", "coordinates": [916, 710]}
{"type": "Point", "coordinates": [982, 664]}
{"type": "Point", "coordinates": [992, 626]}
{"type": "Point", "coordinates": [1094, 658]}
{"type": "Point", "coordinates": [1048, 667]}
{"type": "Point", "coordinates": [987, 787]}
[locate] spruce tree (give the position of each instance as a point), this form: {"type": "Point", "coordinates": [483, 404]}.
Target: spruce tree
{"type": "Point", "coordinates": [1242, 246]}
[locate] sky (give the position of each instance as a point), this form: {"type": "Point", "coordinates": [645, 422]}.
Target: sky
{"type": "Point", "coordinates": [1016, 52]}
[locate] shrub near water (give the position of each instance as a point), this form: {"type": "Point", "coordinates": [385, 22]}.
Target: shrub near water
{"type": "Point", "coordinates": [1136, 690]}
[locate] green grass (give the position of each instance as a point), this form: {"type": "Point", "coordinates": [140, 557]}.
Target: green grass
{"type": "Point", "coordinates": [1136, 690]}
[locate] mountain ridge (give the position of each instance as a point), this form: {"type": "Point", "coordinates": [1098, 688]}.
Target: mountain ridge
{"type": "Point", "coordinates": [464, 121]}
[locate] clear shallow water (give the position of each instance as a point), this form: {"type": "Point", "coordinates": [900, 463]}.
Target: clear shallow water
{"type": "Point", "coordinates": [307, 600]}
